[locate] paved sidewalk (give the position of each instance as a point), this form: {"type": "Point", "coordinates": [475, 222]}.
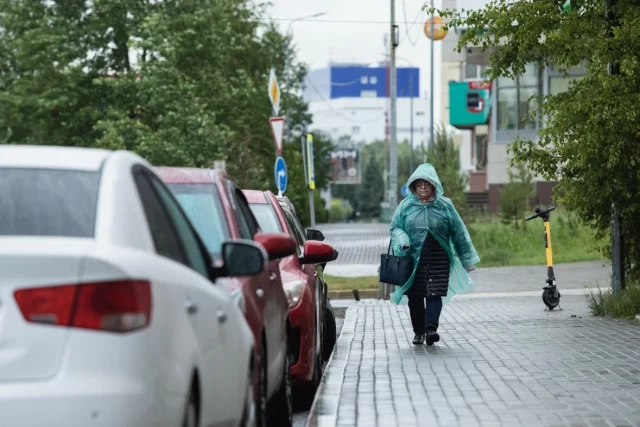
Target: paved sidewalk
{"type": "Point", "coordinates": [500, 361]}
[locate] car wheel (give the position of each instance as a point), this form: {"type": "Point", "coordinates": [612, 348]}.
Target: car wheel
{"type": "Point", "coordinates": [308, 391]}
{"type": "Point", "coordinates": [190, 417]}
{"type": "Point", "coordinates": [281, 407]}
{"type": "Point", "coordinates": [261, 415]}
{"type": "Point", "coordinates": [330, 331]}
{"type": "Point", "coordinates": [249, 411]}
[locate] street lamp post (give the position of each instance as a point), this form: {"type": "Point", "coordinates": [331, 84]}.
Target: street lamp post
{"type": "Point", "coordinates": [315, 15]}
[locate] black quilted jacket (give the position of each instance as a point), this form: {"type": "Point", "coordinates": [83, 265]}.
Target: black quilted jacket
{"type": "Point", "coordinates": [432, 275]}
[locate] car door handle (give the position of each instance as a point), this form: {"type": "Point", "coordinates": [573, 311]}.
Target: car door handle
{"type": "Point", "coordinates": [260, 293]}
{"type": "Point", "coordinates": [222, 316]}
{"type": "Point", "coordinates": [190, 306]}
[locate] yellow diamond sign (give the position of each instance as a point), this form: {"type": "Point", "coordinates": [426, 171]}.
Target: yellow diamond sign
{"type": "Point", "coordinates": [274, 92]}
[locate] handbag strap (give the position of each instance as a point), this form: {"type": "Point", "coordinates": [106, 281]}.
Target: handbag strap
{"type": "Point", "coordinates": [389, 249]}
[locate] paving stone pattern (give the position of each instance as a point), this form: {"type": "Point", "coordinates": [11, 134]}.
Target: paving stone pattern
{"type": "Point", "coordinates": [502, 361]}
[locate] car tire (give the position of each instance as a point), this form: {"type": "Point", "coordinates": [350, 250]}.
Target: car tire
{"type": "Point", "coordinates": [308, 392]}
{"type": "Point", "coordinates": [281, 407]}
{"type": "Point", "coordinates": [330, 331]}
{"type": "Point", "coordinates": [261, 407]}
{"type": "Point", "coordinates": [190, 416]}
{"type": "Point", "coordinates": [249, 409]}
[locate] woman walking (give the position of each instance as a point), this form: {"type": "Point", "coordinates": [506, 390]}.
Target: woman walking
{"type": "Point", "coordinates": [427, 227]}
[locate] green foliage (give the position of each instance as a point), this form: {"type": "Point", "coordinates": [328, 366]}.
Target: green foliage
{"type": "Point", "coordinates": [626, 304]}
{"type": "Point", "coordinates": [445, 157]}
{"type": "Point", "coordinates": [499, 244]}
{"type": "Point", "coordinates": [515, 195]}
{"type": "Point", "coordinates": [371, 191]}
{"type": "Point", "coordinates": [182, 83]}
{"type": "Point", "coordinates": [339, 210]}
{"type": "Point", "coordinates": [590, 142]}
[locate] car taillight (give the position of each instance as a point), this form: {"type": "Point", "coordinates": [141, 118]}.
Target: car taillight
{"type": "Point", "coordinates": [118, 306]}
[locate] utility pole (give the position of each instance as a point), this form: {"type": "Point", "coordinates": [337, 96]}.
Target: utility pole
{"type": "Point", "coordinates": [411, 124]}
{"type": "Point", "coordinates": [431, 137]}
{"type": "Point", "coordinates": [393, 149]}
{"type": "Point", "coordinates": [617, 241]}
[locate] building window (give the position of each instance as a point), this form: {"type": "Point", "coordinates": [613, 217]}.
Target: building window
{"type": "Point", "coordinates": [561, 84]}
{"type": "Point", "coordinates": [474, 72]}
{"type": "Point", "coordinates": [513, 100]}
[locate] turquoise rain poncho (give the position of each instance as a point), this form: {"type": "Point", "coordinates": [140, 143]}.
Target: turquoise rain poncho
{"type": "Point", "coordinates": [414, 218]}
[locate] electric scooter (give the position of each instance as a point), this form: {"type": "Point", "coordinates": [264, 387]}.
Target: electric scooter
{"type": "Point", "coordinates": [550, 294]}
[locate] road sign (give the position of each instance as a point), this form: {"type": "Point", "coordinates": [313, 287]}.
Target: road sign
{"type": "Point", "coordinates": [280, 173]}
{"type": "Point", "coordinates": [404, 191]}
{"type": "Point", "coordinates": [274, 92]}
{"type": "Point", "coordinates": [345, 166]}
{"type": "Point", "coordinates": [310, 168]}
{"type": "Point", "coordinates": [277, 128]}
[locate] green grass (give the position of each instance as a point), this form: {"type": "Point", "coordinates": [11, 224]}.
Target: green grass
{"type": "Point", "coordinates": [500, 244]}
{"type": "Point", "coordinates": [349, 283]}
{"type": "Point", "coordinates": [624, 305]}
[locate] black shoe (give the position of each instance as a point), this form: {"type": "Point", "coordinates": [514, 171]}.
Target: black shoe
{"type": "Point", "coordinates": [418, 339]}
{"type": "Point", "coordinates": [432, 336]}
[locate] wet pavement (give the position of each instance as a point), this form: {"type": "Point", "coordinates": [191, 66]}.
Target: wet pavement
{"type": "Point", "coordinates": [500, 361]}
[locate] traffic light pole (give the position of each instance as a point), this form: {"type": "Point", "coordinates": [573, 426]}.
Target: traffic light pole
{"type": "Point", "coordinates": [393, 146]}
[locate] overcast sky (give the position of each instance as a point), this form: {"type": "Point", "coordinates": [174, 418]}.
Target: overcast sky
{"type": "Point", "coordinates": [354, 31]}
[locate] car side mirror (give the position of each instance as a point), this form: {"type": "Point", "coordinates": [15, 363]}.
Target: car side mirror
{"type": "Point", "coordinates": [242, 258]}
{"type": "Point", "coordinates": [318, 253]}
{"type": "Point", "coordinates": [315, 235]}
{"type": "Point", "coordinates": [277, 245]}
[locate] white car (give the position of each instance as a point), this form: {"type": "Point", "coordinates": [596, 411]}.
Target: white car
{"type": "Point", "coordinates": [111, 313]}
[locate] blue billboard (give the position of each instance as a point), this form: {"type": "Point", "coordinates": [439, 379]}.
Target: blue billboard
{"type": "Point", "coordinates": [363, 82]}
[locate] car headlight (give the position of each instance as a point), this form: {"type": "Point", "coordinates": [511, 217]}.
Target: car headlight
{"type": "Point", "coordinates": [294, 291]}
{"type": "Point", "coordinates": [239, 299]}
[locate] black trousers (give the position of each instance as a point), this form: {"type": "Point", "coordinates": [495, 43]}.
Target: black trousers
{"type": "Point", "coordinates": [424, 317]}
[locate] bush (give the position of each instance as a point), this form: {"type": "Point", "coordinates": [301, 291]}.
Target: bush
{"type": "Point", "coordinates": [340, 210]}
{"type": "Point", "coordinates": [624, 305]}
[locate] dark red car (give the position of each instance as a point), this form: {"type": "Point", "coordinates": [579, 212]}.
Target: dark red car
{"type": "Point", "coordinates": [312, 322]}
{"type": "Point", "coordinates": [218, 210]}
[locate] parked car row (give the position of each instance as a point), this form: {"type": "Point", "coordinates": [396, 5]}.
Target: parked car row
{"type": "Point", "coordinates": [140, 296]}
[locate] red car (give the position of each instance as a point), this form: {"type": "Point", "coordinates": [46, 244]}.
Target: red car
{"type": "Point", "coordinates": [302, 278]}
{"type": "Point", "coordinates": [219, 211]}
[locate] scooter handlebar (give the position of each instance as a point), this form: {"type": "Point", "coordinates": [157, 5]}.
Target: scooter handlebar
{"type": "Point", "coordinates": [540, 212]}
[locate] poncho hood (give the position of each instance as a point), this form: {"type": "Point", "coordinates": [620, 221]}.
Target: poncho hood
{"type": "Point", "coordinates": [427, 172]}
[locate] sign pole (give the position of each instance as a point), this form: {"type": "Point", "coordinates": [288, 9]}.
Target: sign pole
{"type": "Point", "coordinates": [311, 179]}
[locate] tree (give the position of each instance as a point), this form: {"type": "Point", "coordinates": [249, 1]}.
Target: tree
{"type": "Point", "coordinates": [590, 141]}
{"type": "Point", "coordinates": [180, 82]}
{"type": "Point", "coordinates": [515, 195]}
{"type": "Point", "coordinates": [445, 158]}
{"type": "Point", "coordinates": [371, 191]}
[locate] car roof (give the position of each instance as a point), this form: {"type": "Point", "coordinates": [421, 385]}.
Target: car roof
{"type": "Point", "coordinates": [52, 157]}
{"type": "Point", "coordinates": [256, 197]}
{"type": "Point", "coordinates": [173, 175]}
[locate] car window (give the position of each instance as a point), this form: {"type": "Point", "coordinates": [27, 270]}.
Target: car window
{"type": "Point", "coordinates": [201, 203]}
{"type": "Point", "coordinates": [266, 217]}
{"type": "Point", "coordinates": [48, 202]}
{"type": "Point", "coordinates": [296, 233]}
{"type": "Point", "coordinates": [185, 231]}
{"type": "Point", "coordinates": [163, 232]}
{"type": "Point", "coordinates": [246, 221]}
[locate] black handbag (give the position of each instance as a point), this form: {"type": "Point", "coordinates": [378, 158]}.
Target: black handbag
{"type": "Point", "coordinates": [395, 270]}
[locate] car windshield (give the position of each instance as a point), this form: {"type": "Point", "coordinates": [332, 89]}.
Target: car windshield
{"type": "Point", "coordinates": [202, 205]}
{"type": "Point", "coordinates": [48, 202]}
{"type": "Point", "coordinates": [266, 217]}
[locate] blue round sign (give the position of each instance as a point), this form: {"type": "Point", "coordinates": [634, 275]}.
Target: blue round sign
{"type": "Point", "coordinates": [280, 171]}
{"type": "Point", "coordinates": [404, 191]}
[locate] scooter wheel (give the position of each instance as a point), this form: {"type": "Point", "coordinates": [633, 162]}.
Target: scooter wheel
{"type": "Point", "coordinates": [551, 298]}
